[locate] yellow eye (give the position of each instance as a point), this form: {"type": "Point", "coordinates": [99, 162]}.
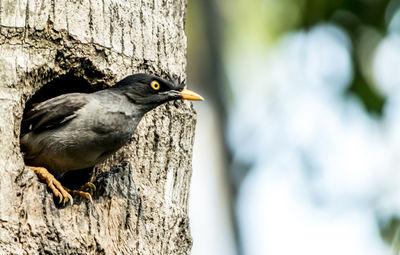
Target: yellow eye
{"type": "Point", "coordinates": [155, 85]}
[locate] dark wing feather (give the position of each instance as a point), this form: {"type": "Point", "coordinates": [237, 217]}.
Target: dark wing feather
{"type": "Point", "coordinates": [53, 112]}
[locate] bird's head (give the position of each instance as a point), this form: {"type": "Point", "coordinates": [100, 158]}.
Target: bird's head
{"type": "Point", "coordinates": [151, 90]}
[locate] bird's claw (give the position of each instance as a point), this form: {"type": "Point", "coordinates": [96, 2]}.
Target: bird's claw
{"type": "Point", "coordinates": [88, 185]}
{"type": "Point", "coordinates": [63, 193]}
{"type": "Point", "coordinates": [81, 193]}
{"type": "Point", "coordinates": [55, 186]}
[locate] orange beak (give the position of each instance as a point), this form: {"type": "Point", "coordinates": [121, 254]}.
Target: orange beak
{"type": "Point", "coordinates": [190, 95]}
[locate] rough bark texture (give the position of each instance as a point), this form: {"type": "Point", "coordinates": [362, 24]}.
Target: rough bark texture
{"type": "Point", "coordinates": [140, 206]}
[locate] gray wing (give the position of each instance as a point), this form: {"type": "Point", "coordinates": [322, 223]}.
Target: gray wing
{"type": "Point", "coordinates": [53, 112]}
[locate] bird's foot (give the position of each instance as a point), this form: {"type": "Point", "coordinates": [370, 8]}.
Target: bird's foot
{"type": "Point", "coordinates": [55, 186]}
{"type": "Point", "coordinates": [82, 193]}
{"type": "Point", "coordinates": [88, 185]}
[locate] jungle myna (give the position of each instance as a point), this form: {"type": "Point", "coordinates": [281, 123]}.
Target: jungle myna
{"type": "Point", "coordinates": [76, 131]}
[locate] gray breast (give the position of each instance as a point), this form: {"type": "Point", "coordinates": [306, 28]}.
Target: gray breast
{"type": "Point", "coordinates": [99, 129]}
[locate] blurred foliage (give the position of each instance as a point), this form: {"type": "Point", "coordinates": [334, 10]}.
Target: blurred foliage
{"type": "Point", "coordinates": [390, 233]}
{"type": "Point", "coordinates": [353, 16]}
{"type": "Point", "coordinates": [259, 23]}
{"type": "Point", "coordinates": [218, 29]}
{"type": "Point", "coordinates": [367, 12]}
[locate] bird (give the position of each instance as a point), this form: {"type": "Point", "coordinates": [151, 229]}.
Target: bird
{"type": "Point", "coordinates": [78, 130]}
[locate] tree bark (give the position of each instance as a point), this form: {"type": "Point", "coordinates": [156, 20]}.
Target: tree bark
{"type": "Point", "coordinates": [140, 206]}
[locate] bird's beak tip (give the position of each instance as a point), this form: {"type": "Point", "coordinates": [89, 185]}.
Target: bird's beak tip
{"type": "Point", "coordinates": [190, 95]}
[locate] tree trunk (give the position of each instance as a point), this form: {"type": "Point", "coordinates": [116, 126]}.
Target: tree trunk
{"type": "Point", "coordinates": [140, 206]}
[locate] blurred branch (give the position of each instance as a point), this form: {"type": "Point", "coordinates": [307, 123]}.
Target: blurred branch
{"type": "Point", "coordinates": [215, 81]}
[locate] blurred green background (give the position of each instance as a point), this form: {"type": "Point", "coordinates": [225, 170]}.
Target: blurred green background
{"type": "Point", "coordinates": [297, 148]}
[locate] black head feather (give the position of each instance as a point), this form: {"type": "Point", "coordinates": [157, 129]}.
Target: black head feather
{"type": "Point", "coordinates": [138, 89]}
